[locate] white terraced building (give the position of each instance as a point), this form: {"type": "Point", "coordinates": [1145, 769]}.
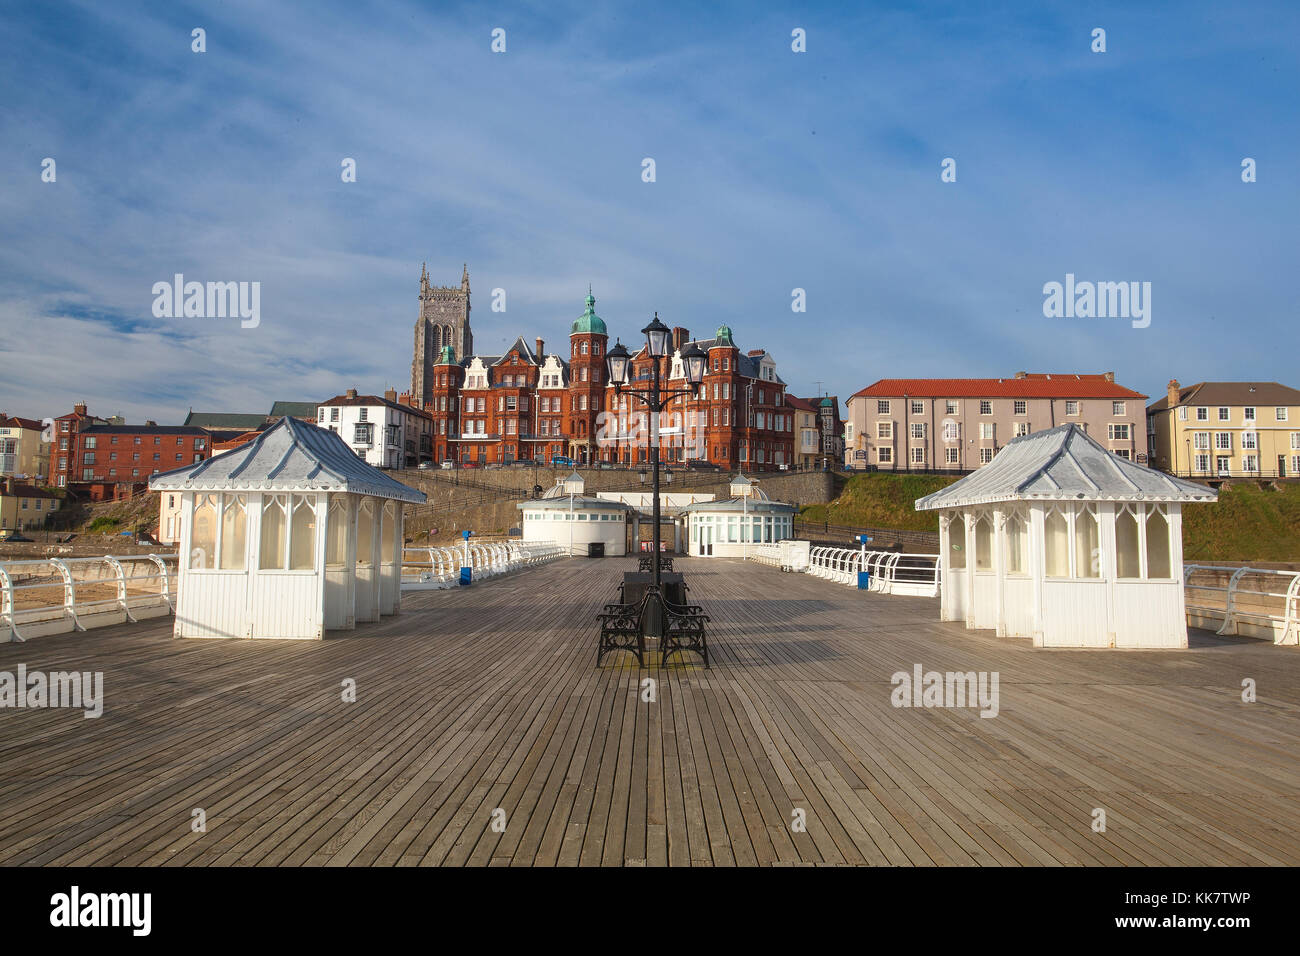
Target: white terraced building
{"type": "Point", "coordinates": [1061, 541]}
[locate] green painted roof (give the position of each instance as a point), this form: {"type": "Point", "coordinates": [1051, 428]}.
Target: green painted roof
{"type": "Point", "coordinates": [724, 335]}
{"type": "Point", "coordinates": [589, 321]}
{"type": "Point", "coordinates": [227, 419]}
{"type": "Point", "coordinates": [827, 403]}
{"type": "Point", "coordinates": [293, 410]}
{"type": "Point", "coordinates": [447, 356]}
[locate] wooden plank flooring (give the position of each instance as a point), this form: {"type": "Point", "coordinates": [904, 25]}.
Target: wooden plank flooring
{"type": "Point", "coordinates": [484, 699]}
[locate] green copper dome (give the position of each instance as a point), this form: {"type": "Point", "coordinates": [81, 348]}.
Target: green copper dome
{"type": "Point", "coordinates": [827, 403]}
{"type": "Point", "coordinates": [447, 356]}
{"type": "Point", "coordinates": [589, 321]}
{"type": "Point", "coordinates": [724, 335]}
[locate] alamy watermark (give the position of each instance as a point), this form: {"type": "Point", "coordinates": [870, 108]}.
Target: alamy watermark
{"type": "Point", "coordinates": [1101, 300]}
{"type": "Point", "coordinates": [947, 689]}
{"type": "Point", "coordinates": [633, 429]}
{"type": "Point", "coordinates": [76, 909]}
{"type": "Point", "coordinates": [81, 689]}
{"type": "Point", "coordinates": [211, 300]}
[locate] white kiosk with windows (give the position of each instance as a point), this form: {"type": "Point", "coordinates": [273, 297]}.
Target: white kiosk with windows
{"type": "Point", "coordinates": [726, 529]}
{"type": "Point", "coordinates": [1061, 541]}
{"type": "Point", "coordinates": [286, 537]}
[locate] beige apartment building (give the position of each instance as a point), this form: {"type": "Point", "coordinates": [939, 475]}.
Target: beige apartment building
{"type": "Point", "coordinates": [25, 506]}
{"type": "Point", "coordinates": [1226, 430]}
{"type": "Point", "coordinates": [958, 424]}
{"type": "Point", "coordinates": [23, 453]}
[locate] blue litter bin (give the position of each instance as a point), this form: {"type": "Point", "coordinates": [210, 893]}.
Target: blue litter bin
{"type": "Point", "coordinates": [864, 580]}
{"type": "Point", "coordinates": [466, 577]}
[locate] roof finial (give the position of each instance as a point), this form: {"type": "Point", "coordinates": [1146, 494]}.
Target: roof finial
{"type": "Point", "coordinates": [464, 277]}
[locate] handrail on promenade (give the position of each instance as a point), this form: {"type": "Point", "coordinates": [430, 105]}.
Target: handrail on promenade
{"type": "Point", "coordinates": [56, 595]}
{"type": "Point", "coordinates": [889, 572]}
{"type": "Point", "coordinates": [1251, 604]}
{"type": "Point", "coordinates": [439, 567]}
{"type": "Point", "coordinates": [1241, 601]}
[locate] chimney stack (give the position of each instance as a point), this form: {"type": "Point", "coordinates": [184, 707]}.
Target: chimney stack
{"type": "Point", "coordinates": [539, 353]}
{"type": "Point", "coordinates": [1022, 375]}
{"type": "Point", "coordinates": [9, 484]}
{"type": "Point", "coordinates": [79, 408]}
{"type": "Point", "coordinates": [1108, 376]}
{"type": "Point", "coordinates": [1175, 390]}
{"type": "Point", "coordinates": [680, 338]}
{"type": "Point", "coordinates": [390, 395]}
{"type": "Point", "coordinates": [350, 393]}
{"type": "Point", "coordinates": [149, 423]}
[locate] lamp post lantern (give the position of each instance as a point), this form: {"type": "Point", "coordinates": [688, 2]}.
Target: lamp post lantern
{"type": "Point", "coordinates": [617, 361]}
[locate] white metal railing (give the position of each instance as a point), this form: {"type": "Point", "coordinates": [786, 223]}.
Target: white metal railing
{"type": "Point", "coordinates": [890, 572]}
{"type": "Point", "coordinates": [439, 567]}
{"type": "Point", "coordinates": [1248, 602]}
{"type": "Point", "coordinates": [56, 595]}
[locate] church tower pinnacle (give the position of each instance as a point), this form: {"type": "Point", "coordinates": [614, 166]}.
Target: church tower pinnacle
{"type": "Point", "coordinates": [443, 321]}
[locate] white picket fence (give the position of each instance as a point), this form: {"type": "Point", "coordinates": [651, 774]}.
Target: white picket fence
{"type": "Point", "coordinates": [890, 572]}
{"type": "Point", "coordinates": [433, 568]}
{"type": "Point", "coordinates": [55, 595]}
{"type": "Point", "coordinates": [1247, 602]}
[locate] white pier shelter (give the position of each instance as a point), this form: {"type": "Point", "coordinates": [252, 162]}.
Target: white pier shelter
{"type": "Point", "coordinates": [286, 537]}
{"type": "Point", "coordinates": [1061, 541]}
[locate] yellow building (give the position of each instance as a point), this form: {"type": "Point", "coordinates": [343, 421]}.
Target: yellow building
{"type": "Point", "coordinates": [22, 452]}
{"type": "Point", "coordinates": [24, 506]}
{"type": "Point", "coordinates": [1226, 430]}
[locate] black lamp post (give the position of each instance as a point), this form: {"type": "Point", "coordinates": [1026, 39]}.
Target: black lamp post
{"type": "Point", "coordinates": [693, 361]}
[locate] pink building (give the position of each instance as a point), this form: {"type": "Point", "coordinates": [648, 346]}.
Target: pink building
{"type": "Point", "coordinates": [958, 424]}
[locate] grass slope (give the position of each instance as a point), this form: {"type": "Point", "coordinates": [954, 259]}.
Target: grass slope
{"type": "Point", "coordinates": [1247, 523]}
{"type": "Point", "coordinates": [882, 501]}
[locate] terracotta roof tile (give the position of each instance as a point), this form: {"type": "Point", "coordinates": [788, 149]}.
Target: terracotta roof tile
{"type": "Point", "coordinates": [1030, 386]}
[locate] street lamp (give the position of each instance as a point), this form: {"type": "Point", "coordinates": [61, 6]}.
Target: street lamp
{"type": "Point", "coordinates": [617, 361]}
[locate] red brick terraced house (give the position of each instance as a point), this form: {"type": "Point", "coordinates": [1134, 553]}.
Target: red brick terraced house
{"type": "Point", "coordinates": [63, 454]}
{"type": "Point", "coordinates": [115, 461]}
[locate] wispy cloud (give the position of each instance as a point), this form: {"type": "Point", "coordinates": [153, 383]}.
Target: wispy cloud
{"type": "Point", "coordinates": [775, 171]}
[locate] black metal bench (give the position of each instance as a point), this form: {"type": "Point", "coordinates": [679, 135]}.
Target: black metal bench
{"type": "Point", "coordinates": [647, 563]}
{"type": "Point", "coordinates": [684, 631]}
{"type": "Point", "coordinates": [621, 630]}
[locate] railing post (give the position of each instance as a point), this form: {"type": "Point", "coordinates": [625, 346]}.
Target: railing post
{"type": "Point", "coordinates": [1230, 603]}
{"type": "Point", "coordinates": [166, 590]}
{"type": "Point", "coordinates": [1291, 614]}
{"type": "Point", "coordinates": [69, 592]}
{"type": "Point", "coordinates": [7, 608]}
{"type": "Point", "coordinates": [116, 565]}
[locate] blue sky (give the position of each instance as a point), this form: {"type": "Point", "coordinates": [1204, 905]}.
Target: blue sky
{"type": "Point", "coordinates": [775, 171]}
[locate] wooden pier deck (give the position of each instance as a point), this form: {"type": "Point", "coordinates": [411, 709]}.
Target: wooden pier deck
{"type": "Point", "coordinates": [484, 698]}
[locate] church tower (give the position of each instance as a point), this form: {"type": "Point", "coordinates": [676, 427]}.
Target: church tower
{"type": "Point", "coordinates": [444, 320]}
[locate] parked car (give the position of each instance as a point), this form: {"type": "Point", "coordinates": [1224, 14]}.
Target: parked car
{"type": "Point", "coordinates": [426, 465]}
{"type": "Point", "coordinates": [526, 462]}
{"type": "Point", "coordinates": [11, 534]}
{"type": "Point", "coordinates": [448, 464]}
{"type": "Point", "coordinates": [699, 464]}
{"type": "Point", "coordinates": [561, 462]}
